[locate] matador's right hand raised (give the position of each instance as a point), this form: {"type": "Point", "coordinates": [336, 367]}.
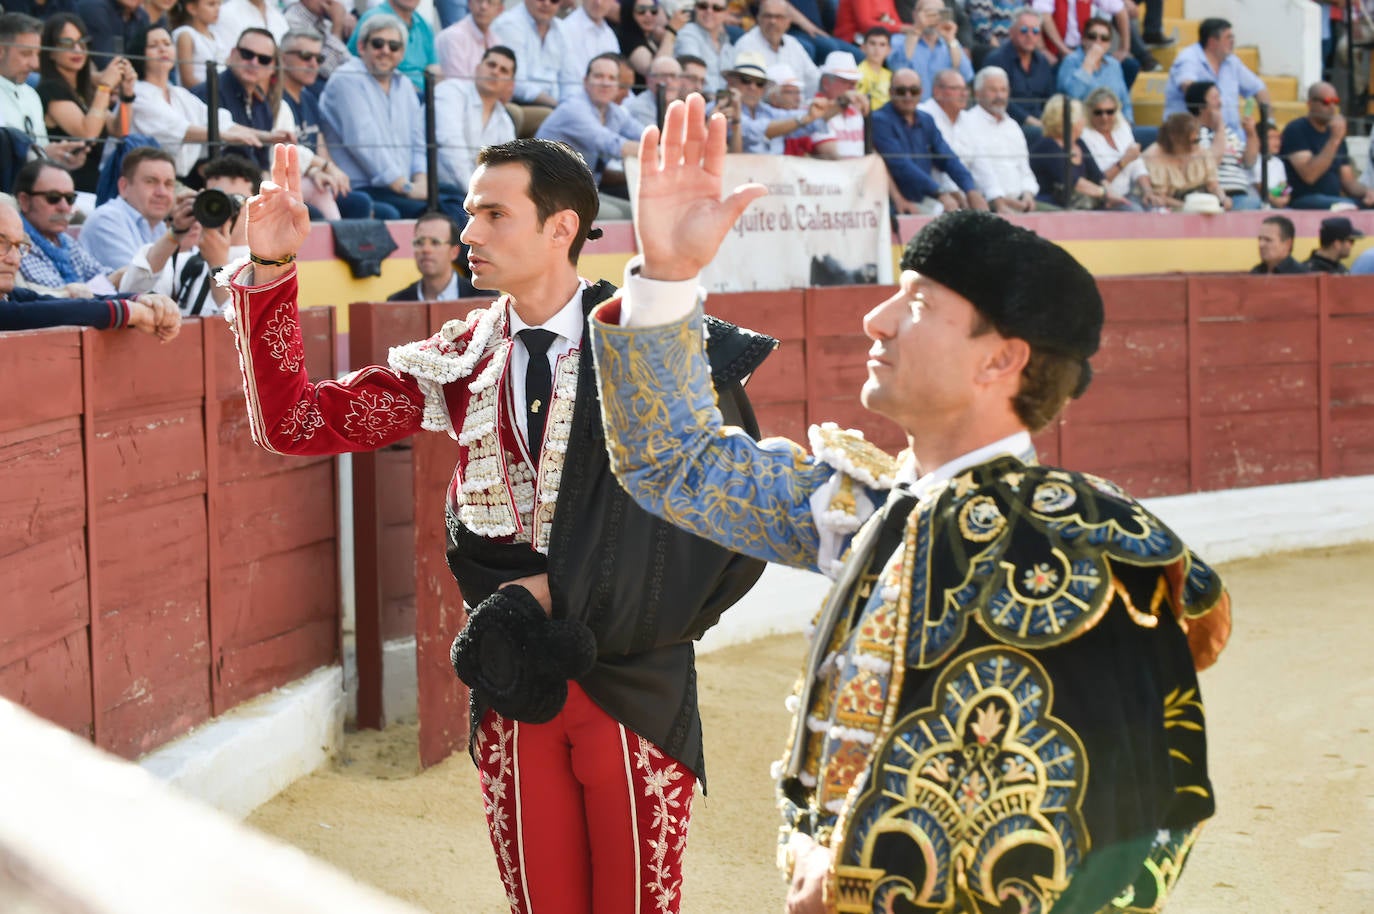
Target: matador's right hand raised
{"type": "Point", "coordinates": [278, 221]}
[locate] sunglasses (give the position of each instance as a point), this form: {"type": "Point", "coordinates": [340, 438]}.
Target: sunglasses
{"type": "Point", "coordinates": [1097, 36]}
{"type": "Point", "coordinates": [752, 81]}
{"type": "Point", "coordinates": [248, 56]}
{"type": "Point", "coordinates": [390, 44]}
{"type": "Point", "coordinates": [1328, 100]}
{"type": "Point", "coordinates": [53, 197]}
{"type": "Point", "coordinates": [73, 44]}
{"type": "Point", "coordinates": [1104, 112]}
{"type": "Point", "coordinates": [1029, 30]}
{"type": "Point", "coordinates": [717, 7]}
{"type": "Point", "coordinates": [905, 90]}
{"type": "Point", "coordinates": [641, 10]}
{"type": "Point", "coordinates": [307, 56]}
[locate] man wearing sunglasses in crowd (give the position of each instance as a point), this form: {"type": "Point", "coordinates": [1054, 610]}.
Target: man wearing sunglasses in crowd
{"type": "Point", "coordinates": [26, 309]}
{"type": "Point", "coordinates": [333, 21]}
{"type": "Point", "coordinates": [764, 128]}
{"type": "Point", "coordinates": [419, 39]}
{"type": "Point", "coordinates": [1092, 65]}
{"type": "Point", "coordinates": [1213, 58]}
{"type": "Point", "coordinates": [245, 87]}
{"type": "Point", "coordinates": [55, 263]}
{"type": "Point", "coordinates": [1030, 73]}
{"type": "Point", "coordinates": [1313, 150]}
{"type": "Point", "coordinates": [20, 106]}
{"type": "Point", "coordinates": [912, 147]}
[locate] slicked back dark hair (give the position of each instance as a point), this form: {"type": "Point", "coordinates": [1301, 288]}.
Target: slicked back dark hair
{"type": "Point", "coordinates": [232, 165]}
{"type": "Point", "coordinates": [559, 180]}
{"type": "Point", "coordinates": [1285, 226]}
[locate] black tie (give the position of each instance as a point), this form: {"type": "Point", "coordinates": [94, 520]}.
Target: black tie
{"type": "Point", "coordinates": [538, 386]}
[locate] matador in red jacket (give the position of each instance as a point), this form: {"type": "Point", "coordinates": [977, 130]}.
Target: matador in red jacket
{"type": "Point", "coordinates": [583, 607]}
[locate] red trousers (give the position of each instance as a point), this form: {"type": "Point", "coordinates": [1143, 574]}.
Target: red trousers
{"type": "Point", "coordinates": [585, 816]}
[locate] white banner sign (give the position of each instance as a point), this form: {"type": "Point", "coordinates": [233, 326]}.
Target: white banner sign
{"type": "Point", "coordinates": [823, 223]}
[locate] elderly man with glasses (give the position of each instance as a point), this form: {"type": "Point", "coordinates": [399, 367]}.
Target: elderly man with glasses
{"type": "Point", "coordinates": [372, 121]}
{"type": "Point", "coordinates": [55, 262]}
{"type": "Point", "coordinates": [912, 147]}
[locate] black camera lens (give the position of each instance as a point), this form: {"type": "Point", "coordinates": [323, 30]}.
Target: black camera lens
{"type": "Point", "coordinates": [212, 208]}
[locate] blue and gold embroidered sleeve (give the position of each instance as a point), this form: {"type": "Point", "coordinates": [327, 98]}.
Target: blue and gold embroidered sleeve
{"type": "Point", "coordinates": [670, 449]}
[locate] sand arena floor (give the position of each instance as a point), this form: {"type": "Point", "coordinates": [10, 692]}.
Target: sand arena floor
{"type": "Point", "coordinates": [1290, 710]}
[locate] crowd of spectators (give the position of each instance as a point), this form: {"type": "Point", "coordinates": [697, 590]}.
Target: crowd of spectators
{"type": "Point", "coordinates": [1000, 104]}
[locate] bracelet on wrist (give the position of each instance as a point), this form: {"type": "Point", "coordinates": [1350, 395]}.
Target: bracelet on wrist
{"type": "Point", "coordinates": [271, 263]}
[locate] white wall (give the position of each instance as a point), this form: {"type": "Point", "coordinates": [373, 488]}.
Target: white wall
{"type": "Point", "coordinates": [1287, 33]}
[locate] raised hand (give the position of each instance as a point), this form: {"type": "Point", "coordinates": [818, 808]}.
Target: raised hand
{"type": "Point", "coordinates": [680, 217]}
{"type": "Point", "coordinates": [278, 221]}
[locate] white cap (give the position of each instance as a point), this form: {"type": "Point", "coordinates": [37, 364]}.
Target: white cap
{"type": "Point", "coordinates": [841, 64]}
{"type": "Point", "coordinates": [781, 74]}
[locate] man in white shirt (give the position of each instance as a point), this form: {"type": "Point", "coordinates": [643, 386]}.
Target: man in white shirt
{"type": "Point", "coordinates": [535, 33]}
{"type": "Point", "coordinates": [997, 152]}
{"type": "Point", "coordinates": [588, 34]}
{"type": "Point", "coordinates": [770, 39]}
{"type": "Point", "coordinates": [20, 106]}
{"type": "Point", "coordinates": [474, 115]}
{"type": "Point", "coordinates": [842, 136]}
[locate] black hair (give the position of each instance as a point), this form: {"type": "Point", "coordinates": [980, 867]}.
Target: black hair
{"type": "Point", "coordinates": [435, 216]}
{"type": "Point", "coordinates": [504, 52]}
{"type": "Point", "coordinates": [1211, 28]}
{"type": "Point", "coordinates": [559, 180]}
{"type": "Point", "coordinates": [606, 55]}
{"type": "Point", "coordinates": [878, 32]}
{"type": "Point", "coordinates": [231, 165]}
{"type": "Point", "coordinates": [28, 175]}
{"type": "Point", "coordinates": [47, 65]}
{"type": "Point", "coordinates": [1286, 229]}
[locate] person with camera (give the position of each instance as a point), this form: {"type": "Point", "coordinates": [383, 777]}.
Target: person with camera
{"type": "Point", "coordinates": [841, 135]}
{"type": "Point", "coordinates": [205, 231]}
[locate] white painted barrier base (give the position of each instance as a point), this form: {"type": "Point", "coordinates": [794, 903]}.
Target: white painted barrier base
{"type": "Point", "coordinates": [248, 755]}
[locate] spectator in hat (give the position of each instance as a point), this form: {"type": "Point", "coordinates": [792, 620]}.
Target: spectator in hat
{"type": "Point", "coordinates": [1276, 247]}
{"type": "Point", "coordinates": [842, 133]}
{"type": "Point", "coordinates": [770, 38]}
{"type": "Point", "coordinates": [1337, 239]}
{"type": "Point", "coordinates": [1314, 151]}
{"type": "Point", "coordinates": [765, 128]}
{"type": "Point", "coordinates": [911, 147]}
{"type": "Point", "coordinates": [931, 49]}
{"type": "Point", "coordinates": [1235, 153]}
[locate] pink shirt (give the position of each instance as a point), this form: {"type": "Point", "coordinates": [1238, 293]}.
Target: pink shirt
{"type": "Point", "coordinates": [460, 48]}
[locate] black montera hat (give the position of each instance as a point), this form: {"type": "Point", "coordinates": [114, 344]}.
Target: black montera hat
{"type": "Point", "coordinates": [1028, 287]}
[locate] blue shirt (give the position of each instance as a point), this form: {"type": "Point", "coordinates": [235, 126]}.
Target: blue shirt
{"type": "Point", "coordinates": [245, 110]}
{"type": "Point", "coordinates": [109, 32]}
{"type": "Point", "coordinates": [1301, 136]}
{"type": "Point", "coordinates": [577, 122]}
{"type": "Point", "coordinates": [925, 60]}
{"type": "Point", "coordinates": [1029, 90]}
{"type": "Point", "coordinates": [420, 51]}
{"type": "Point", "coordinates": [116, 231]}
{"type": "Point", "coordinates": [911, 150]}
{"type": "Point", "coordinates": [307, 114]}
{"type": "Point", "coordinates": [541, 59]}
{"type": "Point", "coordinates": [1076, 82]}
{"type": "Point", "coordinates": [374, 136]}
{"type": "Point", "coordinates": [1235, 82]}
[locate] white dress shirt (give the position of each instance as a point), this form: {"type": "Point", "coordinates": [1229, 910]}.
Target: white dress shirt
{"type": "Point", "coordinates": [1106, 155]}
{"type": "Point", "coordinates": [461, 133]}
{"type": "Point", "coordinates": [567, 324]}
{"type": "Point", "coordinates": [996, 154]}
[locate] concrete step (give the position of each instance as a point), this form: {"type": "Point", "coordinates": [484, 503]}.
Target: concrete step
{"type": "Point", "coordinates": [1282, 88]}
{"type": "Point", "coordinates": [1173, 9]}
{"type": "Point", "coordinates": [1283, 112]}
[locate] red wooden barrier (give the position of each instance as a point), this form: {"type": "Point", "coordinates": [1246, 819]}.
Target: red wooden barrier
{"type": "Point", "coordinates": [158, 567]}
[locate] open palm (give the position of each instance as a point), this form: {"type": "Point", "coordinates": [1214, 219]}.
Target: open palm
{"type": "Point", "coordinates": [680, 217]}
{"type": "Point", "coordinates": [278, 221]}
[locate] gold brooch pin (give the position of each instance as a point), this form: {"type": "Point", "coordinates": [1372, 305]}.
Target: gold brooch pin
{"type": "Point", "coordinates": [534, 407]}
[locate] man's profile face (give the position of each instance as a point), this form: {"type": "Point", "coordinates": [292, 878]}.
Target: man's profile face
{"type": "Point", "coordinates": [151, 190]}
{"type": "Point", "coordinates": [434, 249]}
{"type": "Point", "coordinates": [52, 219]}
{"type": "Point", "coordinates": [1272, 247]}
{"type": "Point", "coordinates": [20, 59]}
{"type": "Point", "coordinates": [924, 357]}
{"type": "Point", "coordinates": [508, 247]}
